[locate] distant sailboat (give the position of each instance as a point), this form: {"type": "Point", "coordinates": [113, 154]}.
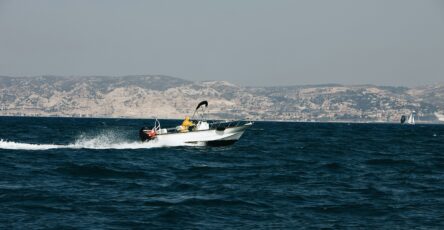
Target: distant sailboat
{"type": "Point", "coordinates": [411, 120]}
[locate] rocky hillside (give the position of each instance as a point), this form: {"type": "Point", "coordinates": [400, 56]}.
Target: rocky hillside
{"type": "Point", "coordinates": [167, 97]}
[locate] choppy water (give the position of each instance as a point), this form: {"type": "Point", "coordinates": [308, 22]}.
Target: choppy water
{"type": "Point", "coordinates": [93, 173]}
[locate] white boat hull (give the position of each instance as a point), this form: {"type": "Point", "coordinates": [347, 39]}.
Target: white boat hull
{"type": "Point", "coordinates": [211, 137]}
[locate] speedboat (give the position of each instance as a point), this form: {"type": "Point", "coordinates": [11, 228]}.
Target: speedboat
{"type": "Point", "coordinates": [201, 133]}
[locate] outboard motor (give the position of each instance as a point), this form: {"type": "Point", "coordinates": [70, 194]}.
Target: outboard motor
{"type": "Point", "coordinates": [146, 134]}
{"type": "Point", "coordinates": [143, 134]}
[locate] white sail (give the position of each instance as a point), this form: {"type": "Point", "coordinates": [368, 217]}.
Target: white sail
{"type": "Point", "coordinates": [411, 119]}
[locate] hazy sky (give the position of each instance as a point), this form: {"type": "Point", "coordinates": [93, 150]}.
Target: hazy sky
{"type": "Point", "coordinates": [248, 42]}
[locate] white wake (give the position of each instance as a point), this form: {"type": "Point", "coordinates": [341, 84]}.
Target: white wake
{"type": "Point", "coordinates": [102, 141]}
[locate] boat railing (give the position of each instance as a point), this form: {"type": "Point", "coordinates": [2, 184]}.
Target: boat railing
{"type": "Point", "coordinates": [226, 124]}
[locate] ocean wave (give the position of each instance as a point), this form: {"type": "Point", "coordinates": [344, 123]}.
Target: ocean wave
{"type": "Point", "coordinates": [202, 201]}
{"type": "Point", "coordinates": [389, 162]}
{"type": "Point", "coordinates": [94, 170]}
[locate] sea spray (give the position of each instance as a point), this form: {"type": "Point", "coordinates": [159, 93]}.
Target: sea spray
{"type": "Point", "coordinates": [107, 139]}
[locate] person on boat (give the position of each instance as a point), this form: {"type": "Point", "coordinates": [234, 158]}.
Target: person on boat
{"type": "Point", "coordinates": [186, 124]}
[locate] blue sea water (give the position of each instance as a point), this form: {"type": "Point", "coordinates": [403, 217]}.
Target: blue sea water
{"type": "Point", "coordinates": [93, 173]}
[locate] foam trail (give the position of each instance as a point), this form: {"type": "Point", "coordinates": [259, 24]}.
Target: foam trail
{"type": "Point", "coordinates": [99, 142]}
{"type": "Point", "coordinates": [26, 146]}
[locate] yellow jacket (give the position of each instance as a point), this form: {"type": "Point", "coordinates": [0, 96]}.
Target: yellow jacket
{"type": "Point", "coordinates": [186, 124]}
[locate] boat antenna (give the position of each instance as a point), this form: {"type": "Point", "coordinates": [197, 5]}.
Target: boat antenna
{"type": "Point", "coordinates": [198, 106]}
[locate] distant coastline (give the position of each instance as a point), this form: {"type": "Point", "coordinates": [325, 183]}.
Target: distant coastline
{"type": "Point", "coordinates": [151, 96]}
